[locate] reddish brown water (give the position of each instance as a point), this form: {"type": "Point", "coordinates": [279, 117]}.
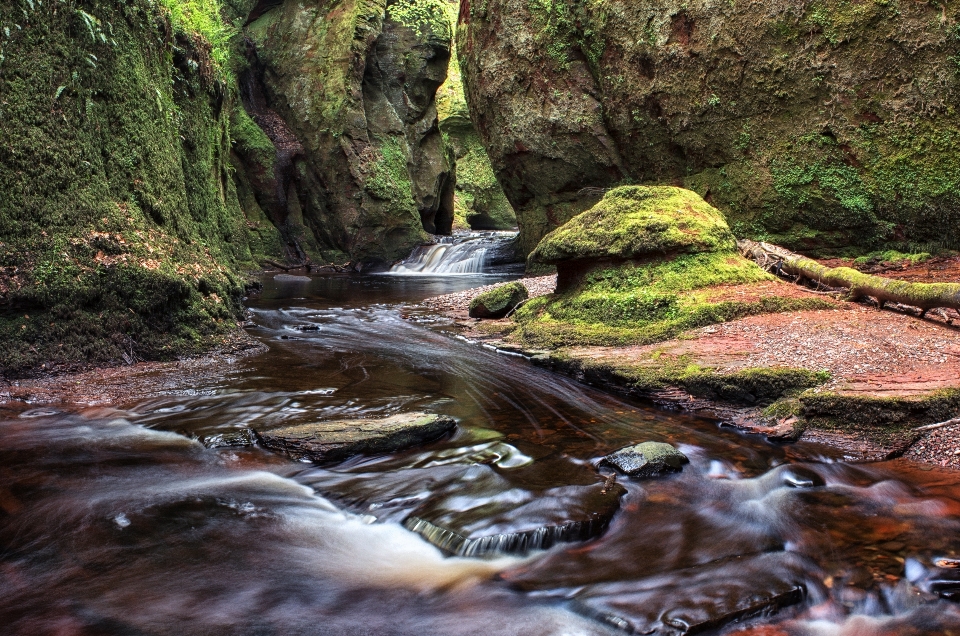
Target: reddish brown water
{"type": "Point", "coordinates": [154, 518]}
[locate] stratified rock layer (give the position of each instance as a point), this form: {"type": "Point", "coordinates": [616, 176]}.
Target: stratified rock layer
{"type": "Point", "coordinates": [336, 440]}
{"type": "Point", "coordinates": [816, 124]}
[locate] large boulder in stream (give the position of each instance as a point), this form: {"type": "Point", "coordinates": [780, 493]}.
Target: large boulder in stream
{"type": "Point", "coordinates": [814, 123]}
{"type": "Point", "coordinates": [339, 439]}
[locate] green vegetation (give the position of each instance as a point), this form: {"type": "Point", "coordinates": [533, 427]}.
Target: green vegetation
{"type": "Point", "coordinates": [756, 386]}
{"type": "Point", "coordinates": [891, 258]}
{"type": "Point", "coordinates": [499, 301]}
{"type": "Point", "coordinates": [654, 262]}
{"type": "Point", "coordinates": [427, 17]}
{"type": "Point", "coordinates": [635, 221]}
{"type": "Point", "coordinates": [210, 35]}
{"type": "Point", "coordinates": [885, 419]}
{"type": "Point", "coordinates": [122, 233]}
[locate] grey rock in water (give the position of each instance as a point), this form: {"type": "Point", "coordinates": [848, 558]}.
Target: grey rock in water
{"type": "Point", "coordinates": [648, 459]}
{"type": "Point", "coordinates": [339, 439]}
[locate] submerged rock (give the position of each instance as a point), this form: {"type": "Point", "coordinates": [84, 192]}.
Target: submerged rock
{"type": "Point", "coordinates": [648, 459]}
{"type": "Point", "coordinates": [498, 302]}
{"type": "Point", "coordinates": [339, 439]}
{"type": "Point", "coordinates": [701, 598]}
{"type": "Point", "coordinates": [513, 521]}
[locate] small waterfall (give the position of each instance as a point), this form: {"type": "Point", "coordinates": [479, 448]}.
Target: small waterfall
{"type": "Point", "coordinates": [463, 254]}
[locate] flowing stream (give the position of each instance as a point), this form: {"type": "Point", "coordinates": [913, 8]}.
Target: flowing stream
{"type": "Point", "coordinates": [159, 516]}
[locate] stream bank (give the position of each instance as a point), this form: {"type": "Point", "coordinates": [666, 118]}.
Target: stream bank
{"type": "Point", "coordinates": [855, 377]}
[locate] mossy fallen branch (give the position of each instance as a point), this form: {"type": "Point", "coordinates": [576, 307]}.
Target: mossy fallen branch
{"type": "Point", "coordinates": [925, 296]}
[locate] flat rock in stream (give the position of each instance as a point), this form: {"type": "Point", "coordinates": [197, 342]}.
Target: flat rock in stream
{"type": "Point", "coordinates": [516, 521]}
{"type": "Point", "coordinates": [339, 439]}
{"type": "Point", "coordinates": [648, 459]}
{"type": "Point", "coordinates": [701, 598]}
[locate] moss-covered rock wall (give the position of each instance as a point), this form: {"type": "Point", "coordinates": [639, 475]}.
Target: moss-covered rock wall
{"type": "Point", "coordinates": [121, 233]}
{"type": "Point", "coordinates": [345, 90]}
{"type": "Point", "coordinates": [479, 202]}
{"type": "Point", "coordinates": [817, 124]}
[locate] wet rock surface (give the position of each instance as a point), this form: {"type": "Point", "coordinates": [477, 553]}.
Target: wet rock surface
{"type": "Point", "coordinates": [648, 459]}
{"type": "Point", "coordinates": [705, 598]}
{"type": "Point", "coordinates": [336, 440]}
{"type": "Point", "coordinates": [515, 521]}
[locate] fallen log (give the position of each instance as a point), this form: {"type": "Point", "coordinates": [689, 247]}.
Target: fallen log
{"type": "Point", "coordinates": [925, 296]}
{"type": "Point", "coordinates": [930, 427]}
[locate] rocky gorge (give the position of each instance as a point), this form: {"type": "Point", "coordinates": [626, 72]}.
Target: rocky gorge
{"type": "Point", "coordinates": [479, 317]}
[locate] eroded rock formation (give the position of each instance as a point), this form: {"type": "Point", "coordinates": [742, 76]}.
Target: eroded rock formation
{"type": "Point", "coordinates": [813, 124]}
{"type": "Point", "coordinates": [345, 93]}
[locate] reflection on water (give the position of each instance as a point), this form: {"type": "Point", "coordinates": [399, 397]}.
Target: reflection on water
{"type": "Point", "coordinates": [161, 517]}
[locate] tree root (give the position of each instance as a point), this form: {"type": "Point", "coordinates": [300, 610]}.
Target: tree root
{"type": "Point", "coordinates": [924, 296]}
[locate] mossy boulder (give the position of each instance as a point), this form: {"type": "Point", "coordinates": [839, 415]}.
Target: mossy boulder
{"type": "Point", "coordinates": [499, 301]}
{"type": "Point", "coordinates": [648, 459]}
{"type": "Point", "coordinates": [641, 266]}
{"type": "Point", "coordinates": [633, 222]}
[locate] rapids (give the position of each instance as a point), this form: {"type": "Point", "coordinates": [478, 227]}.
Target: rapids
{"type": "Point", "coordinates": [160, 516]}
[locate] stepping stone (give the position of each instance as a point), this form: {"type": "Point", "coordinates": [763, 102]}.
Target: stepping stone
{"type": "Point", "coordinates": [648, 459]}
{"type": "Point", "coordinates": [339, 439]}
{"type": "Point", "coordinates": [702, 598]}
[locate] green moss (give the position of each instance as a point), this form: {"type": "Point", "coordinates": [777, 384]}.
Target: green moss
{"type": "Point", "coordinates": [891, 258]}
{"type": "Point", "coordinates": [120, 229]}
{"type": "Point", "coordinates": [755, 386]}
{"type": "Point", "coordinates": [498, 301]}
{"type": "Point", "coordinates": [427, 17]}
{"type": "Point", "coordinates": [250, 139]}
{"type": "Point", "coordinates": [636, 221]}
{"type": "Point", "coordinates": [389, 178]}
{"type": "Point", "coordinates": [885, 419]}
{"type": "Point", "coordinates": [654, 262]}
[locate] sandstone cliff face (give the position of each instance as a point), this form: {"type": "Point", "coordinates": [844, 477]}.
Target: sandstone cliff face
{"type": "Point", "coordinates": [345, 93]}
{"type": "Point", "coordinates": [817, 124]}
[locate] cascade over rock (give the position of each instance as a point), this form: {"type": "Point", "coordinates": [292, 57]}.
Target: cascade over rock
{"type": "Point", "coordinates": [815, 125]}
